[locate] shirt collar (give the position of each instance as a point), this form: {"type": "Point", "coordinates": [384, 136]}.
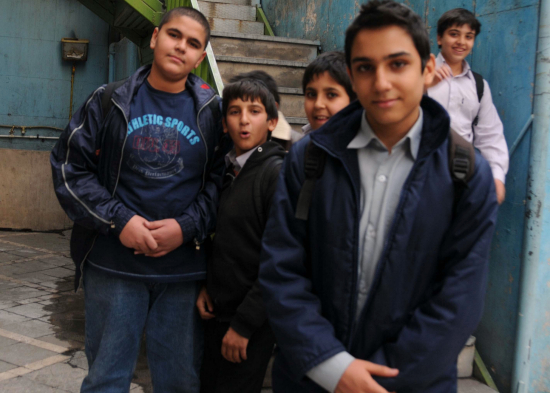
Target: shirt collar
{"type": "Point", "coordinates": [238, 162]}
{"type": "Point", "coordinates": [366, 135]}
{"type": "Point", "coordinates": [439, 60]}
{"type": "Point", "coordinates": [307, 129]}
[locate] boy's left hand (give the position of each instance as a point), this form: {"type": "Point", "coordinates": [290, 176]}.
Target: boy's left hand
{"type": "Point", "coordinates": [167, 233]}
{"type": "Point", "coordinates": [234, 346]}
{"type": "Point", "coordinates": [501, 191]}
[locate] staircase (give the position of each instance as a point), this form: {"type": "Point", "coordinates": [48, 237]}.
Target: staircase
{"type": "Point", "coordinates": [239, 45]}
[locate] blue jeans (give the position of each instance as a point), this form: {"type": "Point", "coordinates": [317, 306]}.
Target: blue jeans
{"type": "Point", "coordinates": [117, 313]}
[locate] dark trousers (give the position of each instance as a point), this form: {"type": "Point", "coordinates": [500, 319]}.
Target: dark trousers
{"type": "Point", "coordinates": [221, 376]}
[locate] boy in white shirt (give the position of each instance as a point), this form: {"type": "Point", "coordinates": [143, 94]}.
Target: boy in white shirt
{"type": "Point", "coordinates": [469, 102]}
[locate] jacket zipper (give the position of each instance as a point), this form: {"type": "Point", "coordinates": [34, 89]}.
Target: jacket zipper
{"type": "Point", "coordinates": [353, 305]}
{"type": "Point", "coordinates": [195, 240]}
{"type": "Point", "coordinates": [112, 194]}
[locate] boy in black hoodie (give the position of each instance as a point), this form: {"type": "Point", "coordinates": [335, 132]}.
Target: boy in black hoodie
{"type": "Point", "coordinates": [238, 338]}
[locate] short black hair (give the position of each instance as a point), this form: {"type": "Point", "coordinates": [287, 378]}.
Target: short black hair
{"type": "Point", "coordinates": [262, 76]}
{"type": "Point", "coordinates": [250, 90]}
{"type": "Point", "coordinates": [382, 13]}
{"type": "Point", "coordinates": [458, 17]}
{"type": "Point", "coordinates": [335, 64]}
{"type": "Point", "coordinates": [192, 13]}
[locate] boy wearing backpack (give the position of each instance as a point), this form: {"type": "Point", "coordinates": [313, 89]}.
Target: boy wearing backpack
{"type": "Point", "coordinates": [136, 171]}
{"type": "Point", "coordinates": [238, 339]}
{"type": "Point", "coordinates": [375, 255]}
{"type": "Point", "coordinates": [466, 95]}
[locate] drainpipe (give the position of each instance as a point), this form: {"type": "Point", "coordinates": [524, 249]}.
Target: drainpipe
{"type": "Point", "coordinates": [112, 53]}
{"type": "Point", "coordinates": [537, 181]}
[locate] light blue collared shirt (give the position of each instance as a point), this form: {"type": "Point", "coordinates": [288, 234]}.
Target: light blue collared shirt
{"type": "Point", "coordinates": [383, 175]}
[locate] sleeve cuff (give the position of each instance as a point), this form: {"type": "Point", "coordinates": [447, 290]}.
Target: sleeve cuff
{"type": "Point", "coordinates": [120, 220]}
{"type": "Point", "coordinates": [328, 373]}
{"type": "Point", "coordinates": [498, 173]}
{"type": "Point", "coordinates": [188, 228]}
{"type": "Point", "coordinates": [241, 327]}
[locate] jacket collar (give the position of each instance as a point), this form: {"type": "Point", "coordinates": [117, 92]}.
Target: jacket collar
{"type": "Point", "coordinates": [339, 131]}
{"type": "Point", "coordinates": [201, 92]}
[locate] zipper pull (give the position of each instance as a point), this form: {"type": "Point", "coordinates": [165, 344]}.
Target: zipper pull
{"type": "Point", "coordinates": [112, 225]}
{"type": "Point", "coordinates": [197, 245]}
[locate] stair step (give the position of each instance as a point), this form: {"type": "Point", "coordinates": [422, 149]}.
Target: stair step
{"type": "Point", "coordinates": [285, 73]}
{"type": "Point", "coordinates": [237, 2]}
{"type": "Point", "coordinates": [235, 26]}
{"type": "Point", "coordinates": [228, 11]}
{"type": "Point", "coordinates": [265, 49]}
{"type": "Point", "coordinates": [470, 385]}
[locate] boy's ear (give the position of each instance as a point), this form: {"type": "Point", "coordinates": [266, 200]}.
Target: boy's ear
{"type": "Point", "coordinates": [201, 59]}
{"type": "Point", "coordinates": [439, 40]}
{"type": "Point", "coordinates": [272, 124]}
{"type": "Point", "coordinates": [224, 125]}
{"type": "Point", "coordinates": [429, 71]}
{"type": "Point", "coordinates": [154, 37]}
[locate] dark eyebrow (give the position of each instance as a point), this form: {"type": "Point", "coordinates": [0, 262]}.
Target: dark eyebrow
{"type": "Point", "coordinates": [392, 56]}
{"type": "Point", "coordinates": [174, 30]}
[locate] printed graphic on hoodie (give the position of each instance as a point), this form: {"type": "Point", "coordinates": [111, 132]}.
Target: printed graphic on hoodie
{"type": "Point", "coordinates": [156, 145]}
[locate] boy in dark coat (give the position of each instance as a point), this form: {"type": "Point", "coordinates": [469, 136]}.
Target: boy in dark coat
{"type": "Point", "coordinates": [238, 339]}
{"type": "Point", "coordinates": [141, 181]}
{"type": "Point", "coordinates": [378, 289]}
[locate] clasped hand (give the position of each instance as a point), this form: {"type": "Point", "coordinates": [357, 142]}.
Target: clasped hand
{"type": "Point", "coordinates": [153, 239]}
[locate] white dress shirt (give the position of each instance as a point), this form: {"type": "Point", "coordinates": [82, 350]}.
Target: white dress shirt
{"type": "Point", "coordinates": [458, 95]}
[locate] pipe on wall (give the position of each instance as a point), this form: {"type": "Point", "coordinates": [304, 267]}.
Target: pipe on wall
{"type": "Point", "coordinates": [535, 207]}
{"type": "Point", "coordinates": [112, 53]}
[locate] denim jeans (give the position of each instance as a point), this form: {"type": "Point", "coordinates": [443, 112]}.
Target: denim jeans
{"type": "Point", "coordinates": [117, 313]}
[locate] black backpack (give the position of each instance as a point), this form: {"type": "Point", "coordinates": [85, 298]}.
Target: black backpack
{"type": "Point", "coordinates": [461, 167]}
{"type": "Point", "coordinates": [480, 87]}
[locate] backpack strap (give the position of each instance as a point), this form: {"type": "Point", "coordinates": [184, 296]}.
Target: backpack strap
{"type": "Point", "coordinates": [106, 103]}
{"type": "Point", "coordinates": [261, 186]}
{"type": "Point", "coordinates": [462, 162]}
{"type": "Point", "coordinates": [314, 165]}
{"type": "Point", "coordinates": [480, 87]}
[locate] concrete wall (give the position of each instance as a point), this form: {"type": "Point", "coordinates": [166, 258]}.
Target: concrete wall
{"type": "Point", "coordinates": [35, 87]}
{"type": "Point", "coordinates": [505, 55]}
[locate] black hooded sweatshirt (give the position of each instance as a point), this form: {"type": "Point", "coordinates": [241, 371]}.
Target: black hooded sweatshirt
{"type": "Point", "coordinates": [232, 276]}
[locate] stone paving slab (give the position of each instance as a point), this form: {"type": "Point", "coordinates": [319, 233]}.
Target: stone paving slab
{"type": "Point", "coordinates": [22, 384]}
{"type": "Point", "coordinates": [21, 354]}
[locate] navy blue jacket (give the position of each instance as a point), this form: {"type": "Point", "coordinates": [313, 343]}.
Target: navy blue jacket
{"type": "Point", "coordinates": [86, 165]}
{"type": "Point", "coordinates": [427, 295]}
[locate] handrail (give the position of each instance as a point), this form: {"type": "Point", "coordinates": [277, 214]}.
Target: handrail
{"type": "Point", "coordinates": [260, 16]}
{"type": "Point", "coordinates": [208, 69]}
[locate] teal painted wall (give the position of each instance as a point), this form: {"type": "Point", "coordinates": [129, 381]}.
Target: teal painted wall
{"type": "Point", "coordinates": [35, 83]}
{"type": "Point", "coordinates": [504, 54]}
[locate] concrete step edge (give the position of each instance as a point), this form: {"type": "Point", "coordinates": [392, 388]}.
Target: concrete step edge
{"type": "Point", "coordinates": [291, 90]}
{"type": "Point", "coordinates": [228, 11]}
{"type": "Point", "coordinates": [265, 38]}
{"type": "Point", "coordinates": [283, 63]}
{"type": "Point", "coordinates": [297, 120]}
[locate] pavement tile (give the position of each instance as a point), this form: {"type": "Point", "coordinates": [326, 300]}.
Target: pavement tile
{"type": "Point", "coordinates": [33, 328]}
{"type": "Point", "coordinates": [21, 354]}
{"type": "Point", "coordinates": [32, 310]}
{"type": "Point", "coordinates": [62, 340]}
{"type": "Point", "coordinates": [34, 277]}
{"type": "Point", "coordinates": [26, 252]}
{"type": "Point", "coordinates": [5, 257]}
{"type": "Point", "coordinates": [61, 376]}
{"type": "Point", "coordinates": [7, 318]}
{"type": "Point", "coordinates": [21, 293]}
{"type": "Point", "coordinates": [6, 366]}
{"type": "Point", "coordinates": [7, 246]}
{"type": "Point", "coordinates": [57, 260]}
{"type": "Point", "coordinates": [50, 241]}
{"type": "Point", "coordinates": [4, 305]}
{"type": "Point", "coordinates": [59, 272]}
{"type": "Point", "coordinates": [4, 342]}
{"type": "Point", "coordinates": [22, 384]}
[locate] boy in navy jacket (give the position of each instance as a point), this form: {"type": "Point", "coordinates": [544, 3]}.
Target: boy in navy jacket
{"type": "Point", "coordinates": [238, 339]}
{"type": "Point", "coordinates": [141, 184]}
{"type": "Point", "coordinates": [380, 287]}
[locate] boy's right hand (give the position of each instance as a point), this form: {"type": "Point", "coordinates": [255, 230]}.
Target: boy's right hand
{"type": "Point", "coordinates": [204, 304]}
{"type": "Point", "coordinates": [358, 377]}
{"type": "Point", "coordinates": [135, 235]}
{"type": "Point", "coordinates": [441, 73]}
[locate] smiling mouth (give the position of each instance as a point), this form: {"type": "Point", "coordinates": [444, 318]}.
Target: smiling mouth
{"type": "Point", "coordinates": [385, 103]}
{"type": "Point", "coordinates": [321, 119]}
{"type": "Point", "coordinates": [177, 59]}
